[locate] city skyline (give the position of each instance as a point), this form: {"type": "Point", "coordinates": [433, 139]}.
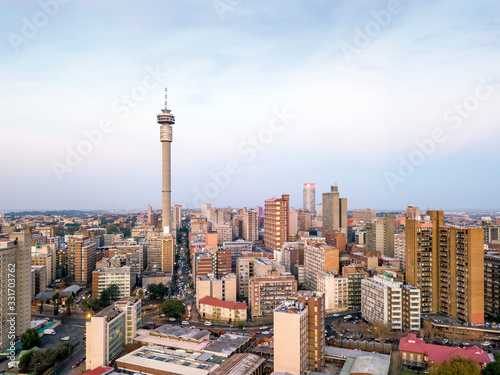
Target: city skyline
{"type": "Point", "coordinates": [395, 104]}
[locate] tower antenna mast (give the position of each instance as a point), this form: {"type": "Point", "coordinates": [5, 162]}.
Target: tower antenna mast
{"type": "Point", "coordinates": [165, 97]}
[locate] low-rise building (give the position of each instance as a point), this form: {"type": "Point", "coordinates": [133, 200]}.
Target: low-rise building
{"type": "Point", "coordinates": [214, 309]}
{"type": "Point", "coordinates": [221, 288]}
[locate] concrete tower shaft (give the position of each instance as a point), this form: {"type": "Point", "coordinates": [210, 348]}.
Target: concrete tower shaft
{"type": "Point", "coordinates": [166, 119]}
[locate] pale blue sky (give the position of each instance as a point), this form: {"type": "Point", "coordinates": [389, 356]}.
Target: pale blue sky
{"type": "Point", "coordinates": [228, 69]}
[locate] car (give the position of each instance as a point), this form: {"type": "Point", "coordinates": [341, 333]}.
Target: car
{"type": "Point", "coordinates": [83, 358]}
{"type": "Point", "coordinates": [264, 327]}
{"type": "Point", "coordinates": [185, 322]}
{"type": "Point", "coordinates": [65, 338]}
{"type": "Point", "coordinates": [162, 315]}
{"type": "Point", "coordinates": [258, 332]}
{"type": "Point", "coordinates": [486, 343]}
{"type": "Point", "coordinates": [61, 311]}
{"type": "Point", "coordinates": [208, 323]}
{"type": "Point", "coordinates": [266, 332]}
{"type": "Point", "coordinates": [76, 364]}
{"type": "Point", "coordinates": [336, 314]}
{"type": "Point", "coordinates": [171, 319]}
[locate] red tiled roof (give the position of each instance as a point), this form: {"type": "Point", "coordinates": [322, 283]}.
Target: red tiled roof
{"type": "Point", "coordinates": [101, 370]}
{"type": "Point", "coordinates": [439, 353]}
{"type": "Point", "coordinates": [225, 304]}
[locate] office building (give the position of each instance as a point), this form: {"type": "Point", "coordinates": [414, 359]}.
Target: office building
{"type": "Point", "coordinates": [81, 258]}
{"type": "Point", "coordinates": [224, 233]}
{"type": "Point", "coordinates": [110, 330]}
{"type": "Point", "coordinates": [309, 202]}
{"type": "Point", "coordinates": [250, 226]}
{"type": "Point", "coordinates": [104, 277]}
{"type": "Point", "coordinates": [276, 222]}
{"type": "Point", "coordinates": [335, 289]}
{"type": "Point", "coordinates": [299, 340]}
{"type": "Point", "coordinates": [334, 211]}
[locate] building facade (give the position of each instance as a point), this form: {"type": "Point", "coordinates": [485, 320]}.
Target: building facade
{"type": "Point", "coordinates": [276, 222]}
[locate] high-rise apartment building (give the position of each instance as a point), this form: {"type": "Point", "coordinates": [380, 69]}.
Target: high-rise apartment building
{"type": "Point", "coordinates": [491, 234]}
{"type": "Point", "coordinates": [299, 340]}
{"type": "Point", "coordinates": [380, 235]}
{"type": "Point", "coordinates": [309, 203]}
{"type": "Point", "coordinates": [492, 285]}
{"type": "Point", "coordinates": [335, 288]}
{"type": "Point", "coordinates": [81, 258]}
{"type": "Point", "coordinates": [334, 211]}
{"type": "Point", "coordinates": [276, 222]}
{"type": "Point", "coordinates": [250, 226]}
{"type": "Point", "coordinates": [319, 257]}
{"type": "Point", "coordinates": [412, 213]}
{"type": "Point", "coordinates": [447, 265]}
{"type": "Point", "coordinates": [160, 252]}
{"type": "Point", "coordinates": [16, 277]}
{"type": "Point", "coordinates": [267, 293]}
{"type": "Point", "coordinates": [106, 276]}
{"type": "Point", "coordinates": [389, 302]}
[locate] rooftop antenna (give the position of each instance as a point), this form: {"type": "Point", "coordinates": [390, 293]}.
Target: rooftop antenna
{"type": "Point", "coordinates": [165, 97]}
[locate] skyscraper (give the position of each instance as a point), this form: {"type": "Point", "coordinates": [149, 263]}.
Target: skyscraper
{"type": "Point", "coordinates": [166, 119]}
{"type": "Point", "coordinates": [309, 197]}
{"type": "Point", "coordinates": [334, 211]}
{"type": "Point", "coordinates": [276, 222]}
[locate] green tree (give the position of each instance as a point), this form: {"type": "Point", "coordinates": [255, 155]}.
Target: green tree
{"type": "Point", "coordinates": [67, 303]}
{"type": "Point", "coordinates": [126, 232]}
{"type": "Point", "coordinates": [111, 229]}
{"type": "Point", "coordinates": [55, 300]}
{"type": "Point", "coordinates": [492, 368]}
{"type": "Point", "coordinates": [173, 308]}
{"type": "Point", "coordinates": [156, 291]}
{"type": "Point", "coordinates": [241, 324]}
{"type": "Point", "coordinates": [94, 305]}
{"type": "Point", "coordinates": [140, 293]}
{"type": "Point", "coordinates": [24, 363]}
{"type": "Point", "coordinates": [458, 366]}
{"type": "Point", "coordinates": [30, 339]}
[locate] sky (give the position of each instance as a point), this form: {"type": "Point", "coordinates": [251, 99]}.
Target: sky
{"type": "Point", "coordinates": [396, 102]}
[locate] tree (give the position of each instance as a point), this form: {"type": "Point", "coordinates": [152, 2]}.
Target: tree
{"type": "Point", "coordinates": [94, 304]}
{"type": "Point", "coordinates": [68, 280]}
{"type": "Point", "coordinates": [156, 291]}
{"type": "Point", "coordinates": [173, 308]}
{"type": "Point", "coordinates": [55, 299]}
{"type": "Point", "coordinates": [126, 232]}
{"type": "Point", "coordinates": [109, 295]}
{"type": "Point", "coordinates": [41, 305]}
{"type": "Point", "coordinates": [68, 302]}
{"type": "Point", "coordinates": [111, 229]}
{"type": "Point", "coordinates": [24, 362]}
{"type": "Point", "coordinates": [30, 339]}
{"type": "Point", "coordinates": [241, 324]}
{"type": "Point", "coordinates": [492, 368]}
{"type": "Point", "coordinates": [140, 293]}
{"type": "Point", "coordinates": [458, 366]}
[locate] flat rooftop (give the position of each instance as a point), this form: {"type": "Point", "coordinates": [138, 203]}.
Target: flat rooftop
{"type": "Point", "coordinates": [182, 332]}
{"type": "Point", "coordinates": [227, 344]}
{"type": "Point", "coordinates": [161, 360]}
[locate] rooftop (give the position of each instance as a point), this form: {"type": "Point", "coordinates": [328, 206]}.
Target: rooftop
{"type": "Point", "coordinates": [373, 364]}
{"type": "Point", "coordinates": [182, 332]}
{"type": "Point", "coordinates": [224, 304]}
{"type": "Point", "coordinates": [439, 353]}
{"type": "Point", "coordinates": [227, 344]}
{"type": "Point", "coordinates": [241, 363]}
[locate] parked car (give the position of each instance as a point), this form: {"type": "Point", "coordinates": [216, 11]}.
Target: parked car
{"type": "Point", "coordinates": [208, 323]}
{"type": "Point", "coordinates": [258, 332]}
{"type": "Point", "coordinates": [265, 332]}
{"type": "Point", "coordinates": [264, 327]}
{"type": "Point", "coordinates": [171, 319]}
{"type": "Point", "coordinates": [76, 364]}
{"type": "Point", "coordinates": [336, 314]}
{"type": "Point", "coordinates": [185, 322]}
{"type": "Point", "coordinates": [65, 338]}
